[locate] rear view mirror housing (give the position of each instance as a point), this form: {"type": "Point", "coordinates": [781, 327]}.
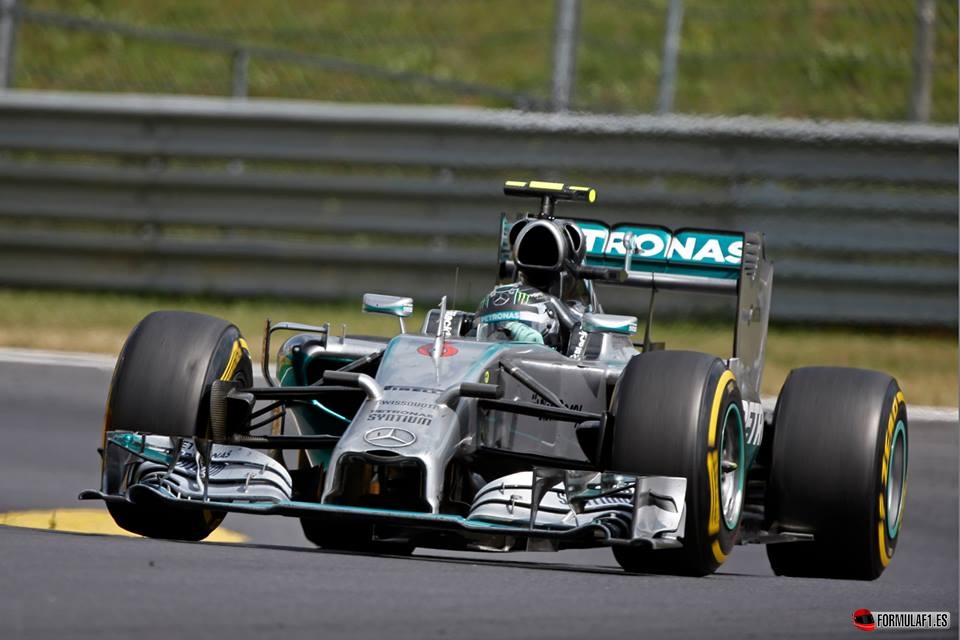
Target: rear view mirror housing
{"type": "Point", "coordinates": [398, 306]}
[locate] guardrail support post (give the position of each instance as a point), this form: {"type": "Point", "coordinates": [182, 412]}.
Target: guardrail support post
{"type": "Point", "coordinates": [8, 31]}
{"type": "Point", "coordinates": [241, 64]}
{"type": "Point", "coordinates": [923, 61]}
{"type": "Point", "coordinates": [668, 64]}
{"type": "Point", "coordinates": [565, 52]}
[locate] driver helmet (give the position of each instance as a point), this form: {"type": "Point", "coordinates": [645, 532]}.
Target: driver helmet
{"type": "Point", "coordinates": [518, 312]}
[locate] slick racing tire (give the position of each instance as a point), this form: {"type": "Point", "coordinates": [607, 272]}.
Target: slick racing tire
{"type": "Point", "coordinates": [679, 413]}
{"type": "Point", "coordinates": [838, 470]}
{"type": "Point", "coordinates": [161, 386]}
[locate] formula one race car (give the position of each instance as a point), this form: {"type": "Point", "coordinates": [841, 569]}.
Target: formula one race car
{"type": "Point", "coordinates": [534, 423]}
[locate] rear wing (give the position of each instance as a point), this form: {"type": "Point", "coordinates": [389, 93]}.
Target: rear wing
{"type": "Point", "coordinates": [658, 258]}
{"type": "Point", "coordinates": [653, 256]}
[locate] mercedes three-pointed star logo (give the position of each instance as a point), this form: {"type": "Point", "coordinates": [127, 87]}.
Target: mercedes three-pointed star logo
{"type": "Point", "coordinates": [390, 437]}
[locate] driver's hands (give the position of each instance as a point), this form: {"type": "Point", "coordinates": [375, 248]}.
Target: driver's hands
{"type": "Point", "coordinates": [520, 332]}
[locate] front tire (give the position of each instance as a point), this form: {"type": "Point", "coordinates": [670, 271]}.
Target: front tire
{"type": "Point", "coordinates": [161, 385]}
{"type": "Point", "coordinates": [679, 413]}
{"type": "Point", "coordinates": [839, 471]}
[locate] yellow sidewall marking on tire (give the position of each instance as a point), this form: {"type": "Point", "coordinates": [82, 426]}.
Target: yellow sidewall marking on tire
{"type": "Point", "coordinates": [713, 459]}
{"type": "Point", "coordinates": [236, 354]}
{"type": "Point", "coordinates": [89, 521]}
{"type": "Point", "coordinates": [718, 553]}
{"type": "Point", "coordinates": [885, 553]}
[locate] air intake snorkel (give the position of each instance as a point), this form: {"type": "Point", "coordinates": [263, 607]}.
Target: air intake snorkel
{"type": "Point", "coordinates": [542, 248]}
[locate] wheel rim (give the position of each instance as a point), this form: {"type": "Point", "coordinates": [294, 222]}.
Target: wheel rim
{"type": "Point", "coordinates": [732, 471]}
{"type": "Point", "coordinates": [896, 479]}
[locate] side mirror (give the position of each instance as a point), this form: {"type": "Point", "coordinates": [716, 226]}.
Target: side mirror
{"type": "Point", "coordinates": [388, 305]}
{"type": "Point", "coordinates": [608, 323]}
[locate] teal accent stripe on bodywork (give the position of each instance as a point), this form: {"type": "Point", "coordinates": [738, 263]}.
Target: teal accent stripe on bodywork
{"type": "Point", "coordinates": [400, 518]}
{"type": "Point", "coordinates": [135, 443]}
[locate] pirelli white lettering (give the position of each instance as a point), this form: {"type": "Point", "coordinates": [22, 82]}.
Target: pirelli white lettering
{"type": "Point", "coordinates": [753, 422]}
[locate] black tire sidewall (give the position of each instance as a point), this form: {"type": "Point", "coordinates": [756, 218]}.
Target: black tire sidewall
{"type": "Point", "coordinates": [664, 408]}
{"type": "Point", "coordinates": [161, 385]}
{"type": "Point", "coordinates": [161, 382]}
{"type": "Point", "coordinates": [833, 428]}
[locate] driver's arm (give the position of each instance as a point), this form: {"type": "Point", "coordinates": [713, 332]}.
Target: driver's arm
{"type": "Point", "coordinates": [520, 332]}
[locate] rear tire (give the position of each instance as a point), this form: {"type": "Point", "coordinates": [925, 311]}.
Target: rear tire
{"type": "Point", "coordinates": [161, 385]}
{"type": "Point", "coordinates": [839, 471]}
{"type": "Point", "coordinates": [679, 413]}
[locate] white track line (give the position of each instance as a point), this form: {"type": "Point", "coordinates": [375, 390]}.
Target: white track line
{"type": "Point", "coordinates": [106, 363]}
{"type": "Point", "coordinates": [58, 358]}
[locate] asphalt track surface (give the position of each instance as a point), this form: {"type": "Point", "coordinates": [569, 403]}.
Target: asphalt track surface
{"type": "Point", "coordinates": [61, 585]}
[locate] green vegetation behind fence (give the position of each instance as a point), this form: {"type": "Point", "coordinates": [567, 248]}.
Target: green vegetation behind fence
{"type": "Point", "coordinates": [832, 59]}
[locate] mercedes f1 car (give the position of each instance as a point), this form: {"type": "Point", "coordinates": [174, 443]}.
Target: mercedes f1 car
{"type": "Point", "coordinates": [472, 435]}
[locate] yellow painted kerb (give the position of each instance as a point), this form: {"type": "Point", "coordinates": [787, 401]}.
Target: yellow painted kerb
{"type": "Point", "coordinates": [89, 521]}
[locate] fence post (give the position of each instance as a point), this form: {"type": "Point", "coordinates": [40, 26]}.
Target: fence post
{"type": "Point", "coordinates": [8, 30]}
{"type": "Point", "coordinates": [923, 61]}
{"type": "Point", "coordinates": [240, 64]}
{"type": "Point", "coordinates": [668, 65]}
{"type": "Point", "coordinates": [565, 52]}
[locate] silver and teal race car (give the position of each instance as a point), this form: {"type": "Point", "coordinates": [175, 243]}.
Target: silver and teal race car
{"type": "Point", "coordinates": [533, 423]}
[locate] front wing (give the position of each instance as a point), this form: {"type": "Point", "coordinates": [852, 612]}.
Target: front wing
{"type": "Point", "coordinates": [158, 471]}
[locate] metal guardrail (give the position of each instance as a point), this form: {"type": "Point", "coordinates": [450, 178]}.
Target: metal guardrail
{"type": "Point", "coordinates": [323, 201]}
